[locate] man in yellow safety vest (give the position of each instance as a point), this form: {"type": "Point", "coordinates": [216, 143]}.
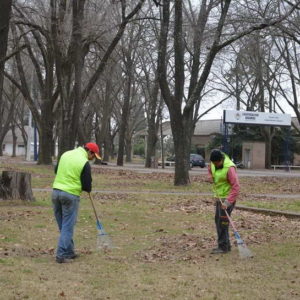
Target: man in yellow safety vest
{"type": "Point", "coordinates": [73, 175]}
{"type": "Point", "coordinates": [222, 173]}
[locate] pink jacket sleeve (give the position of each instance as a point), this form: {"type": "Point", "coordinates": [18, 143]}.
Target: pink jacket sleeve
{"type": "Point", "coordinates": [209, 174]}
{"type": "Point", "coordinates": [235, 185]}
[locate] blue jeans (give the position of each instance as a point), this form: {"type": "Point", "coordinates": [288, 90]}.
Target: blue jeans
{"type": "Point", "coordinates": [65, 207]}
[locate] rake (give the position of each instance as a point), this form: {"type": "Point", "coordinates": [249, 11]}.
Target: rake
{"type": "Point", "coordinates": [103, 239]}
{"type": "Point", "coordinates": [244, 251]}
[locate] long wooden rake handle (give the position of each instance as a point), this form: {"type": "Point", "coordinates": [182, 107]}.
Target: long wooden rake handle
{"type": "Point", "coordinates": [229, 218]}
{"type": "Point", "coordinates": [94, 209]}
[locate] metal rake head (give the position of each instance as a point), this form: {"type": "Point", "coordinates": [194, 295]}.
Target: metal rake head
{"type": "Point", "coordinates": [244, 251]}
{"type": "Point", "coordinates": [103, 241]}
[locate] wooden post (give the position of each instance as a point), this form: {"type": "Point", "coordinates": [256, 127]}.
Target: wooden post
{"type": "Point", "coordinates": [16, 185]}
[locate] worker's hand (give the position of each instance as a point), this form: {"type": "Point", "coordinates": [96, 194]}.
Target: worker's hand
{"type": "Point", "coordinates": [225, 204]}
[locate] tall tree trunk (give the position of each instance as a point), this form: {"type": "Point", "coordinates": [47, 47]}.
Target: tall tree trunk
{"type": "Point", "coordinates": [46, 135]}
{"type": "Point", "coordinates": [151, 143]}
{"type": "Point", "coordinates": [106, 115]}
{"type": "Point", "coordinates": [153, 122]}
{"type": "Point", "coordinates": [123, 126]}
{"type": "Point", "coordinates": [15, 138]}
{"type": "Point", "coordinates": [6, 124]}
{"type": "Point", "coordinates": [72, 102]}
{"type": "Point", "coordinates": [128, 147]}
{"type": "Point", "coordinates": [181, 129]}
{"type": "Point", "coordinates": [107, 144]}
{"type": "Point", "coordinates": [125, 111]}
{"type": "Point", "coordinates": [4, 28]}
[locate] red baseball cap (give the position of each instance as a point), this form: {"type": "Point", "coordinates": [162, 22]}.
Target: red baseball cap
{"type": "Point", "coordinates": [93, 148]}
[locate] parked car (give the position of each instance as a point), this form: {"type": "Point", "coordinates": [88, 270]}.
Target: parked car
{"type": "Point", "coordinates": [197, 160]}
{"type": "Point", "coordinates": [240, 165]}
{"type": "Point", "coordinates": [170, 158]}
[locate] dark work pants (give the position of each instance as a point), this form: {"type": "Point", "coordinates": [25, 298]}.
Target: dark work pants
{"type": "Point", "coordinates": [222, 225]}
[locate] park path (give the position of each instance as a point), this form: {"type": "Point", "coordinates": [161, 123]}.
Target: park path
{"type": "Point", "coordinates": [285, 196]}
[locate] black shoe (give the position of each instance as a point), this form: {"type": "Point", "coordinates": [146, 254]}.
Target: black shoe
{"type": "Point", "coordinates": [63, 260]}
{"type": "Point", "coordinates": [73, 256]}
{"type": "Point", "coordinates": [218, 251]}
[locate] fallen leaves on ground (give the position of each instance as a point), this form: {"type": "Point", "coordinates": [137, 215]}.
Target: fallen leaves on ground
{"type": "Point", "coordinates": [12, 215]}
{"type": "Point", "coordinates": [18, 250]}
{"type": "Point", "coordinates": [253, 228]}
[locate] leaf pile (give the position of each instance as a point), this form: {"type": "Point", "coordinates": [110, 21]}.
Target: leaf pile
{"type": "Point", "coordinates": [272, 185]}
{"type": "Point", "coordinates": [103, 197]}
{"type": "Point", "coordinates": [133, 175]}
{"type": "Point", "coordinates": [185, 247]}
{"type": "Point", "coordinates": [255, 229]}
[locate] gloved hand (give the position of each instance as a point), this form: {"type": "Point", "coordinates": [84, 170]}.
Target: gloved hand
{"type": "Point", "coordinates": [225, 204]}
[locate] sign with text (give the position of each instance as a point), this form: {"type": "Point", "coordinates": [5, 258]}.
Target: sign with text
{"type": "Point", "coordinates": [256, 118]}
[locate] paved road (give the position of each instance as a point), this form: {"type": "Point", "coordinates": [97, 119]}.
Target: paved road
{"type": "Point", "coordinates": [197, 171]}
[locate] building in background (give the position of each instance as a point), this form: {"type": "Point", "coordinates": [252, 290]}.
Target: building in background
{"type": "Point", "coordinates": [21, 147]}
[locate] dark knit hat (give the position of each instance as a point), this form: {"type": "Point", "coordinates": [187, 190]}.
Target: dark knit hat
{"type": "Point", "coordinates": [216, 155]}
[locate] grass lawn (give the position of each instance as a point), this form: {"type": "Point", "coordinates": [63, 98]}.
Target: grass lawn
{"type": "Point", "coordinates": [162, 243]}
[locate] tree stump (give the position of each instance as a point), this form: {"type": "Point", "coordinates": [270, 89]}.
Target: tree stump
{"type": "Point", "coordinates": [16, 185]}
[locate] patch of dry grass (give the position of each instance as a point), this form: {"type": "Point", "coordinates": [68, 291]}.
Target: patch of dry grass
{"type": "Point", "coordinates": [162, 252]}
{"type": "Point", "coordinates": [162, 241]}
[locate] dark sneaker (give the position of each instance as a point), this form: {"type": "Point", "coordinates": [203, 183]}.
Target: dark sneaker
{"type": "Point", "coordinates": [63, 260]}
{"type": "Point", "coordinates": [73, 256]}
{"type": "Point", "coordinates": [218, 251]}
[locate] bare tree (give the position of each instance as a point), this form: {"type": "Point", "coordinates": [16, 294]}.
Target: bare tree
{"type": "Point", "coordinates": [150, 86]}
{"type": "Point", "coordinates": [129, 60]}
{"type": "Point", "coordinates": [220, 36]}
{"type": "Point", "coordinates": [251, 80]}
{"type": "Point", "coordinates": [38, 41]}
{"type": "Point", "coordinates": [72, 94]}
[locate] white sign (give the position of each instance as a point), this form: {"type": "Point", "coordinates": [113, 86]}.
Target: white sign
{"type": "Point", "coordinates": [256, 118]}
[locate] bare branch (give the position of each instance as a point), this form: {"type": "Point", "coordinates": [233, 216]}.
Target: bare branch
{"type": "Point", "coordinates": [259, 27]}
